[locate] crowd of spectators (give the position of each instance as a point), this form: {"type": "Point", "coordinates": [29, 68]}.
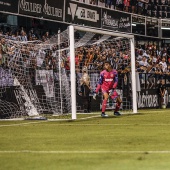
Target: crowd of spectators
{"type": "Point", "coordinates": [152, 8]}
{"type": "Point", "coordinates": [33, 55]}
{"type": "Point", "coordinates": [27, 41]}
{"type": "Point", "coordinates": [153, 64]}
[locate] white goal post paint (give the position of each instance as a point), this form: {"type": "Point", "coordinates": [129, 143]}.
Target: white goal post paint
{"type": "Point", "coordinates": [72, 72]}
{"type": "Point", "coordinates": [133, 70]}
{"type": "Point", "coordinates": [72, 63]}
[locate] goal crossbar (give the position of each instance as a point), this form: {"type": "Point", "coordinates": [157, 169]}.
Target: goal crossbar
{"type": "Point", "coordinates": [72, 63]}
{"type": "Point", "coordinates": [97, 31]}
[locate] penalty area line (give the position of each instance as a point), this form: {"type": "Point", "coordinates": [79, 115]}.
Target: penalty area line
{"type": "Point", "coordinates": [84, 152]}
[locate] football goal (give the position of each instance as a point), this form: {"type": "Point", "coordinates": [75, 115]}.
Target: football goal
{"type": "Point", "coordinates": [89, 48]}
{"type": "Point", "coordinates": [46, 78]}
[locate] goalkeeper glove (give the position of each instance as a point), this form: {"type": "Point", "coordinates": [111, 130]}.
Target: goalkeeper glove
{"type": "Point", "coordinates": [111, 92]}
{"type": "Point", "coordinates": [94, 96]}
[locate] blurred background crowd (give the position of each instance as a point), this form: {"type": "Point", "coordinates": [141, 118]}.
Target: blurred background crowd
{"type": "Point", "coordinates": [152, 8]}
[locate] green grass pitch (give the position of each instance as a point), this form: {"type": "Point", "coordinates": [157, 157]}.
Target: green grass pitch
{"type": "Point", "coordinates": [128, 142]}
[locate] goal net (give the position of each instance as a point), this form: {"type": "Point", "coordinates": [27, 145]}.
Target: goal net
{"type": "Point", "coordinates": [89, 49]}
{"type": "Point", "coordinates": [44, 79]}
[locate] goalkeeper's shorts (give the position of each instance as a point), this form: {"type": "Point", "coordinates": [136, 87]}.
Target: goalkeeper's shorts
{"type": "Point", "coordinates": [113, 96]}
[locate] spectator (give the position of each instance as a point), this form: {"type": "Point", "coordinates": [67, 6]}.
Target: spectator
{"type": "Point", "coordinates": [23, 36]}
{"type": "Point", "coordinates": [109, 3]}
{"type": "Point", "coordinates": [161, 92]}
{"type": "Point", "coordinates": [119, 5]}
{"type": "Point", "coordinates": [126, 5]}
{"type": "Point", "coordinates": [85, 89]}
{"type": "Point", "coordinates": [133, 5]}
{"type": "Point", "coordinates": [143, 62]}
{"type": "Point", "coordinates": [164, 65]}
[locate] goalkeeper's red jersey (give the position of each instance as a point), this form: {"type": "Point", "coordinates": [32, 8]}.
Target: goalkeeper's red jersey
{"type": "Point", "coordinates": [107, 80]}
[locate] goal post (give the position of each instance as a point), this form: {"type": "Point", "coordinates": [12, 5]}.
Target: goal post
{"type": "Point", "coordinates": [72, 72]}
{"type": "Point", "coordinates": [72, 62]}
{"type": "Point", "coordinates": [133, 70]}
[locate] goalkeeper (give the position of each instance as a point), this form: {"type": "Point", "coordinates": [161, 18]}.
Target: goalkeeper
{"type": "Point", "coordinates": [107, 84]}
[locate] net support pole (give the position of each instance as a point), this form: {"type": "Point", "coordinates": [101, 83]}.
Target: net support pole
{"type": "Point", "coordinates": [72, 72]}
{"type": "Point", "coordinates": [133, 74]}
{"type": "Point", "coordinates": [60, 76]}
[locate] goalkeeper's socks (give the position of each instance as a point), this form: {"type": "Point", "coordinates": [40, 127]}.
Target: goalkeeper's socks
{"type": "Point", "coordinates": [104, 104]}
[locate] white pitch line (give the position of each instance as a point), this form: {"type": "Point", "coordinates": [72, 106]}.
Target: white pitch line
{"type": "Point", "coordinates": [84, 152]}
{"type": "Point", "coordinates": [48, 120]}
{"type": "Point", "coordinates": [51, 120]}
{"type": "Point", "coordinates": [19, 124]}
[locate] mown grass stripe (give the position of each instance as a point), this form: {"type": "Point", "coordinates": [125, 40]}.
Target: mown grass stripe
{"type": "Point", "coordinates": [100, 124]}
{"type": "Point", "coordinates": [85, 152]}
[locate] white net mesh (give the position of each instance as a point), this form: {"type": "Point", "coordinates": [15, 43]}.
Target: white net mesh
{"type": "Point", "coordinates": [39, 72]}
{"type": "Point", "coordinates": [98, 49]}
